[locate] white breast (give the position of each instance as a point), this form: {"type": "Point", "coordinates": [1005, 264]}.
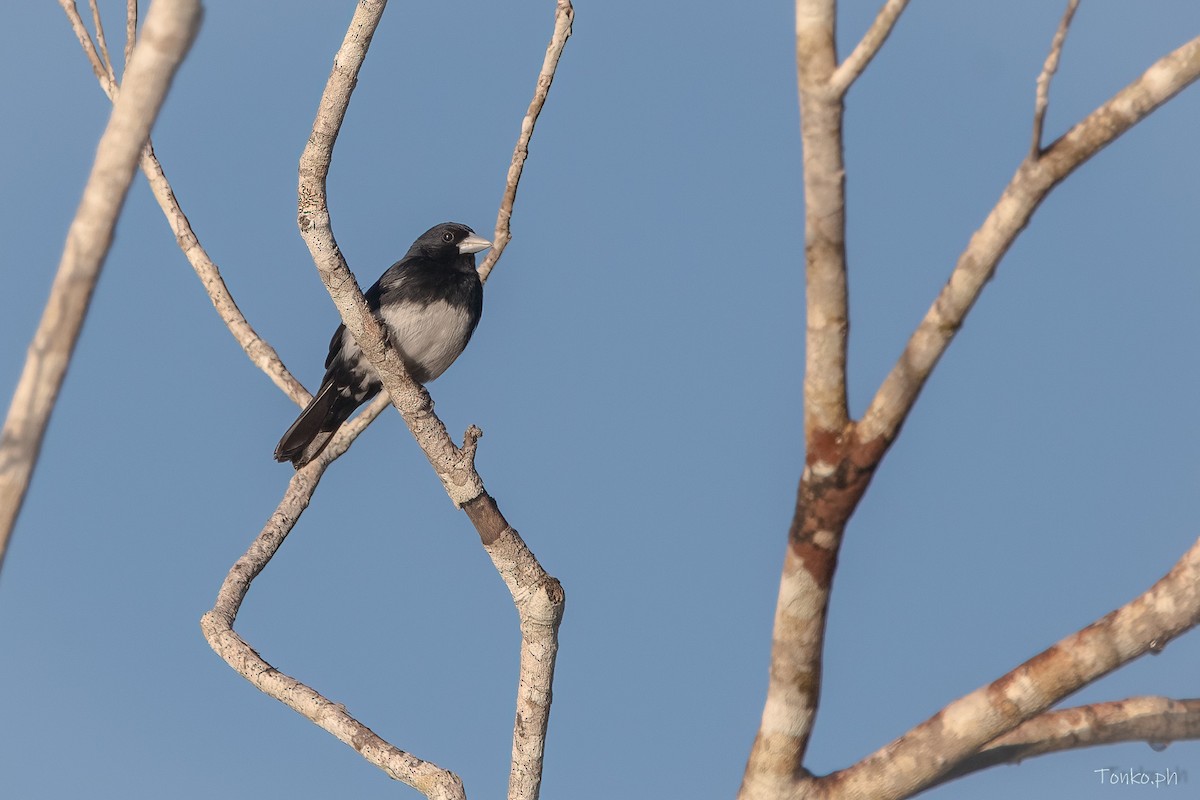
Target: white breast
{"type": "Point", "coordinates": [429, 336]}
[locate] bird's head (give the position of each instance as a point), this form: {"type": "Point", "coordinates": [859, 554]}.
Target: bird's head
{"type": "Point", "coordinates": [448, 241]}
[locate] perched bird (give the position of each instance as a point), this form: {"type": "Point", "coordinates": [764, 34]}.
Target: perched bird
{"type": "Point", "coordinates": [429, 303]}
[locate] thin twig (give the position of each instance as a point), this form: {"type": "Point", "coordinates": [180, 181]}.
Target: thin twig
{"type": "Point", "coordinates": [856, 63]}
{"type": "Point", "coordinates": [171, 26]}
{"type": "Point", "coordinates": [100, 41]}
{"type": "Point", "coordinates": [258, 349]}
{"type": "Point", "coordinates": [1154, 720]}
{"type": "Point", "coordinates": [564, 15]}
{"type": "Point", "coordinates": [131, 20]}
{"type": "Point", "coordinates": [1048, 69]}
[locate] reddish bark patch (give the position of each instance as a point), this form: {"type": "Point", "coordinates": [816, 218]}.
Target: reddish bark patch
{"type": "Point", "coordinates": [823, 446]}
{"type": "Point", "coordinates": [819, 562]}
{"type": "Point", "coordinates": [825, 503]}
{"type": "Point", "coordinates": [486, 517]}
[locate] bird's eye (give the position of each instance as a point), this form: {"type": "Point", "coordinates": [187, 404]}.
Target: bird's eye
{"type": "Point", "coordinates": [447, 237]}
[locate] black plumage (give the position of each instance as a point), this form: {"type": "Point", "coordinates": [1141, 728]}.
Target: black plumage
{"type": "Point", "coordinates": [429, 303]}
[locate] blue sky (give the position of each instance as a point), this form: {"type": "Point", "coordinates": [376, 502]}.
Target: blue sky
{"type": "Point", "coordinates": [637, 374]}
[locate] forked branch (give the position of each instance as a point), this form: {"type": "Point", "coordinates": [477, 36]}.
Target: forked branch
{"type": "Point", "coordinates": [564, 16]}
{"type": "Point", "coordinates": [1030, 185]}
{"type": "Point", "coordinates": [217, 626]}
{"type": "Point", "coordinates": [1042, 101]}
{"type": "Point", "coordinates": [860, 58]}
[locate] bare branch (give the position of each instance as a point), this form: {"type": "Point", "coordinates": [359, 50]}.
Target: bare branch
{"type": "Point", "coordinates": [1154, 720]}
{"type": "Point", "coordinates": [539, 600]}
{"type": "Point", "coordinates": [793, 688]}
{"type": "Point", "coordinates": [217, 625]}
{"type": "Point", "coordinates": [424, 776]}
{"type": "Point", "coordinates": [260, 352]}
{"type": "Point", "coordinates": [929, 751]}
{"type": "Point", "coordinates": [1048, 69]}
{"type": "Point", "coordinates": [858, 60]}
{"type": "Point", "coordinates": [825, 413]}
{"type": "Point", "coordinates": [170, 28]}
{"type": "Point", "coordinates": [1033, 181]}
{"type": "Point", "coordinates": [564, 15]}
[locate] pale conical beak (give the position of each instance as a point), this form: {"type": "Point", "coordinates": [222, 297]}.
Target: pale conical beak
{"type": "Point", "coordinates": [473, 244]}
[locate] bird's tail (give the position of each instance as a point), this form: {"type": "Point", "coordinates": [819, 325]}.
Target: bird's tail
{"type": "Point", "coordinates": [315, 426]}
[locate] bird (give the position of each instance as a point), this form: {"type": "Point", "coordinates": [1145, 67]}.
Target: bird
{"type": "Point", "coordinates": [429, 303]}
